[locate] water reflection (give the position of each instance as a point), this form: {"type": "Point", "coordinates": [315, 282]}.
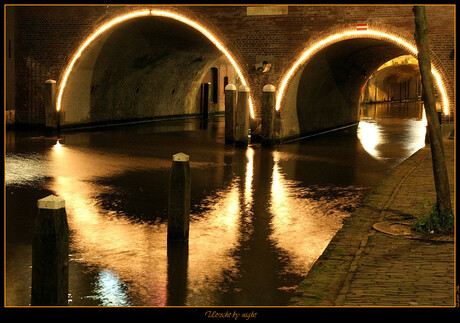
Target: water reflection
{"type": "Point", "coordinates": [213, 236]}
{"type": "Point", "coordinates": [110, 290]}
{"type": "Point", "coordinates": [304, 220]}
{"type": "Point", "coordinates": [370, 136]}
{"type": "Point", "coordinates": [132, 250]}
{"type": "Point", "coordinates": [407, 122]}
{"type": "Point", "coordinates": [25, 168]}
{"type": "Point", "coordinates": [177, 273]}
{"type": "Point", "coordinates": [260, 217]}
{"type": "Point", "coordinates": [249, 176]}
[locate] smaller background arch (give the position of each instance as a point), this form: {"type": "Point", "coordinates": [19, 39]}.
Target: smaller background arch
{"type": "Point", "coordinates": [323, 91]}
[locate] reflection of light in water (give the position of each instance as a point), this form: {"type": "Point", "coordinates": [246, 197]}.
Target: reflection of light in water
{"type": "Point", "coordinates": [136, 252]}
{"type": "Point", "coordinates": [301, 225]}
{"type": "Point", "coordinates": [213, 235]}
{"type": "Point", "coordinates": [131, 250]}
{"type": "Point", "coordinates": [415, 136]}
{"type": "Point", "coordinates": [424, 120]}
{"type": "Point", "coordinates": [57, 147]}
{"type": "Point", "coordinates": [407, 134]}
{"type": "Point", "coordinates": [110, 290]}
{"type": "Point", "coordinates": [23, 169]}
{"type": "Point", "coordinates": [249, 175]}
{"type": "Point", "coordinates": [26, 168]}
{"type": "Point", "coordinates": [370, 136]}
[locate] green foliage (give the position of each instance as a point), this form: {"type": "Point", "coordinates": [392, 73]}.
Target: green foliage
{"type": "Point", "coordinates": [435, 222]}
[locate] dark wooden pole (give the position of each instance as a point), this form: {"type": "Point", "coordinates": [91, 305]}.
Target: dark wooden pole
{"type": "Point", "coordinates": [177, 252]}
{"type": "Point", "coordinates": [179, 198]}
{"type": "Point", "coordinates": [441, 179]}
{"type": "Point", "coordinates": [230, 108]}
{"type": "Point", "coordinates": [50, 254]}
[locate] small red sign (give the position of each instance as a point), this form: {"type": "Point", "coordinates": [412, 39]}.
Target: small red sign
{"type": "Point", "coordinates": [361, 26]}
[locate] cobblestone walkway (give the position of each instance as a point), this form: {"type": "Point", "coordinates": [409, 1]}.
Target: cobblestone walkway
{"type": "Point", "coordinates": [365, 267]}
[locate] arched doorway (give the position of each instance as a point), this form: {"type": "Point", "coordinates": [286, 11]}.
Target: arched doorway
{"type": "Point", "coordinates": [139, 68]}
{"type": "Point", "coordinates": [322, 89]}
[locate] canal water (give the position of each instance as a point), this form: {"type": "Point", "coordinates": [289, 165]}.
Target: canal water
{"type": "Point", "coordinates": [260, 217]}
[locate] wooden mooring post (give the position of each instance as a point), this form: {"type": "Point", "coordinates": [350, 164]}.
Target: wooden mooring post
{"type": "Point", "coordinates": [230, 108]}
{"type": "Point", "coordinates": [50, 254]}
{"type": "Point", "coordinates": [179, 198]}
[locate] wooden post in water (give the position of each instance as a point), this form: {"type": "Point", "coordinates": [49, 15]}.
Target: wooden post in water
{"type": "Point", "coordinates": [230, 108]}
{"type": "Point", "coordinates": [50, 254]}
{"type": "Point", "coordinates": [179, 198]}
{"type": "Point", "coordinates": [268, 115]}
{"type": "Point", "coordinates": [177, 253]}
{"type": "Point", "coordinates": [242, 117]}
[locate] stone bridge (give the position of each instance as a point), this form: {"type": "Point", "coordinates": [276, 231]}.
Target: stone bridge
{"type": "Point", "coordinates": [120, 63]}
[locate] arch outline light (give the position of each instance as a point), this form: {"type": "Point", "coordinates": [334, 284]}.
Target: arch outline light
{"type": "Point", "coordinates": [310, 51]}
{"type": "Point", "coordinates": [143, 13]}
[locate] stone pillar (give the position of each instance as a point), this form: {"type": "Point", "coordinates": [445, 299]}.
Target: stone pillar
{"type": "Point", "coordinates": [242, 116]}
{"type": "Point", "coordinates": [50, 104]}
{"type": "Point", "coordinates": [268, 115]}
{"type": "Point", "coordinates": [179, 198]}
{"type": "Point", "coordinates": [50, 254]}
{"type": "Point", "coordinates": [230, 108]}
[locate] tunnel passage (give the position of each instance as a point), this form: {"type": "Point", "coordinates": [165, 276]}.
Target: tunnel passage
{"type": "Point", "coordinates": [331, 82]}
{"type": "Point", "coordinates": [396, 80]}
{"type": "Point", "coordinates": [142, 68]}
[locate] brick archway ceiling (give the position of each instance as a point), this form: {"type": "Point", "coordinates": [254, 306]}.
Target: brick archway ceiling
{"type": "Point", "coordinates": [148, 64]}
{"type": "Point", "coordinates": [356, 59]}
{"type": "Point", "coordinates": [399, 73]}
{"type": "Point", "coordinates": [349, 63]}
{"type": "Point", "coordinates": [332, 80]}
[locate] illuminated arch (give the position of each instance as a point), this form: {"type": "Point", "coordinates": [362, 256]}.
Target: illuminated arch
{"type": "Point", "coordinates": [310, 51]}
{"type": "Point", "coordinates": [143, 13]}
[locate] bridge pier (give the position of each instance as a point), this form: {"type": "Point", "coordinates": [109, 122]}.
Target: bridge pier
{"type": "Point", "coordinates": [51, 120]}
{"type": "Point", "coordinates": [268, 115]}
{"type": "Point", "coordinates": [242, 117]}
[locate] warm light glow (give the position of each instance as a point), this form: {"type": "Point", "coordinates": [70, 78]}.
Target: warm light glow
{"type": "Point", "coordinates": [370, 136]}
{"type": "Point", "coordinates": [121, 249]}
{"type": "Point", "coordinates": [301, 226]}
{"type": "Point", "coordinates": [377, 142]}
{"type": "Point", "coordinates": [355, 34]}
{"type": "Point", "coordinates": [57, 147]}
{"type": "Point", "coordinates": [424, 119]}
{"type": "Point", "coordinates": [108, 25]}
{"type": "Point", "coordinates": [142, 13]}
{"type": "Point", "coordinates": [400, 60]}
{"type": "Point", "coordinates": [109, 289]}
{"type": "Point", "coordinates": [249, 176]}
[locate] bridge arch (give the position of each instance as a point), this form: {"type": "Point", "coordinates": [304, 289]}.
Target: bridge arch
{"type": "Point", "coordinates": [328, 76]}
{"type": "Point", "coordinates": [83, 83]}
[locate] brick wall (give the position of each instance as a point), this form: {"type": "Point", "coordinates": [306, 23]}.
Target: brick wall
{"type": "Point", "coordinates": [47, 37]}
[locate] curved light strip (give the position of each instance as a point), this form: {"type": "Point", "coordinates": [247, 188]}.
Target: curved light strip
{"type": "Point", "coordinates": [141, 13]}
{"type": "Point", "coordinates": [349, 34]}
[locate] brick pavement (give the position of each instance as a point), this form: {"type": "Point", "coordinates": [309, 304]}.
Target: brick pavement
{"type": "Point", "coordinates": [365, 267]}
